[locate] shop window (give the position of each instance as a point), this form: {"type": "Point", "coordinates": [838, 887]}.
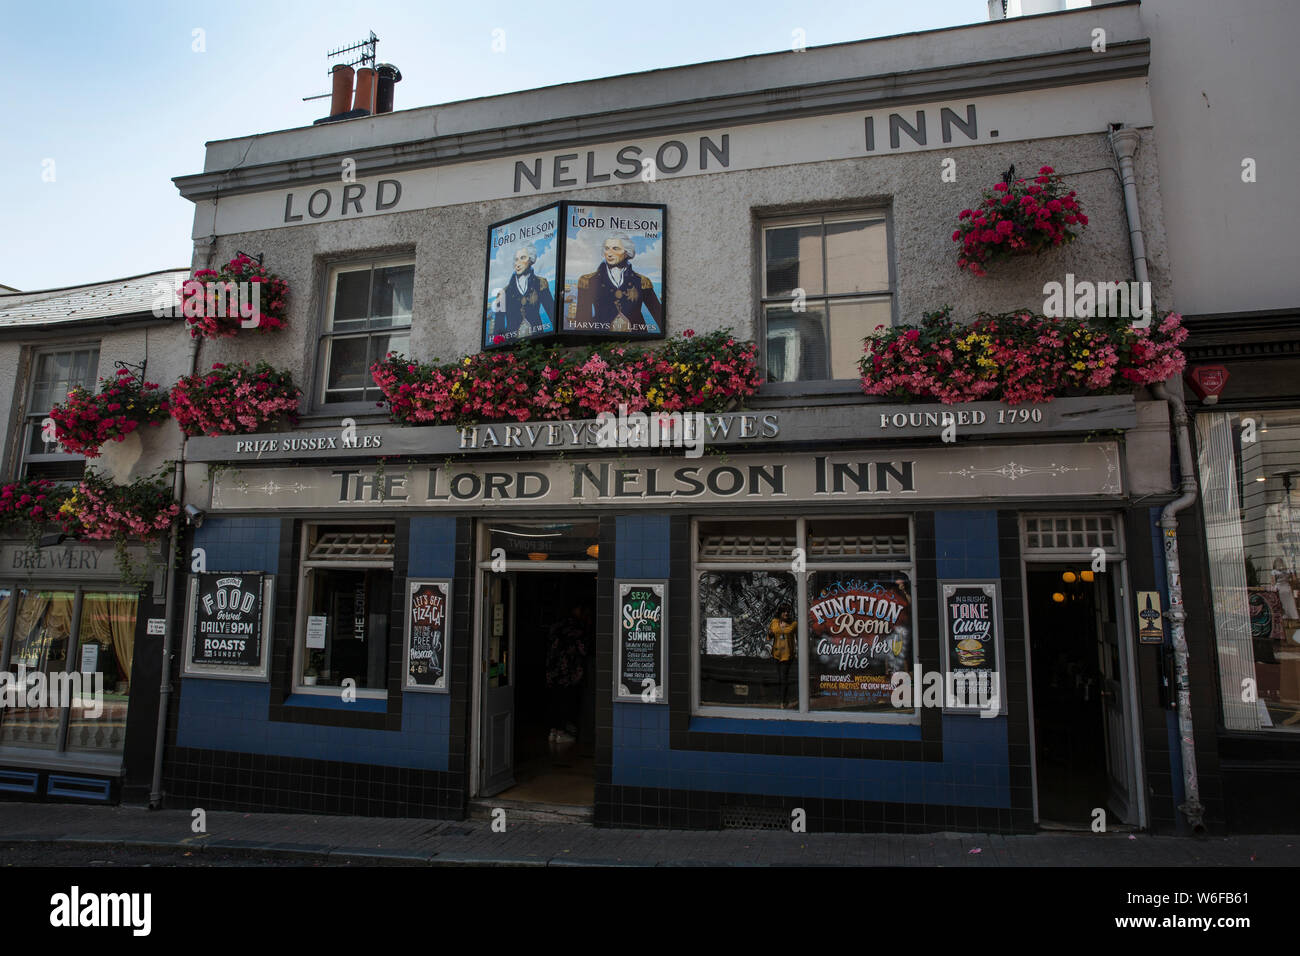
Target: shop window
{"type": "Point", "coordinates": [1249, 465]}
{"type": "Point", "coordinates": [59, 634]}
{"type": "Point", "coordinates": [346, 596]}
{"type": "Point", "coordinates": [823, 644]}
{"type": "Point", "coordinates": [367, 315]}
{"type": "Point", "coordinates": [53, 375]}
{"type": "Point", "coordinates": [826, 286]}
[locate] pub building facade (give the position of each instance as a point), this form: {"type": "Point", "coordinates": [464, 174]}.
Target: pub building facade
{"type": "Point", "coordinates": [370, 606]}
{"type": "Point", "coordinates": [66, 611]}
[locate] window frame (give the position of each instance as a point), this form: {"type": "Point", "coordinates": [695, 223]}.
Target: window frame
{"type": "Point", "coordinates": [296, 687]}
{"type": "Point", "coordinates": [29, 419]}
{"type": "Point", "coordinates": [820, 216]}
{"type": "Point", "coordinates": [800, 522]}
{"type": "Point", "coordinates": [325, 334]}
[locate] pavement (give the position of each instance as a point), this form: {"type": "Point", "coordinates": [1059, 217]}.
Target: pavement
{"type": "Point", "coordinates": [379, 841]}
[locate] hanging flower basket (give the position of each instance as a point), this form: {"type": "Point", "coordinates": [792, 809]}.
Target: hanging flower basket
{"type": "Point", "coordinates": [31, 505]}
{"type": "Point", "coordinates": [707, 373]}
{"type": "Point", "coordinates": [234, 399]}
{"type": "Point", "coordinates": [85, 421]}
{"type": "Point", "coordinates": [243, 295]}
{"type": "Point", "coordinates": [1017, 357]}
{"type": "Point", "coordinates": [98, 510]}
{"type": "Point", "coordinates": [1018, 219]}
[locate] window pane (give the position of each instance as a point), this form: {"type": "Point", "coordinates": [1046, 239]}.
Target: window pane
{"type": "Point", "coordinates": [859, 635]}
{"type": "Point", "coordinates": [56, 373]}
{"type": "Point", "coordinates": [762, 540]}
{"type": "Point", "coordinates": [851, 322]}
{"type": "Point", "coordinates": [796, 344]}
{"type": "Point", "coordinates": [794, 260]}
{"type": "Point", "coordinates": [348, 369]}
{"type": "Point", "coordinates": [856, 257]}
{"type": "Point", "coordinates": [390, 302]}
{"type": "Point", "coordinates": [355, 604]}
{"type": "Point", "coordinates": [740, 631]}
{"type": "Point", "coordinates": [858, 539]}
{"type": "Point", "coordinates": [40, 644]}
{"type": "Point", "coordinates": [108, 626]}
{"type": "Point", "coordinates": [351, 297]}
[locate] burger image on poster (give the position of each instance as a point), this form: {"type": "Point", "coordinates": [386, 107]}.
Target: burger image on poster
{"type": "Point", "coordinates": [970, 653]}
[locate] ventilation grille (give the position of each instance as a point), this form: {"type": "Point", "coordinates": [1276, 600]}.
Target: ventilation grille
{"type": "Point", "coordinates": [353, 546]}
{"type": "Point", "coordinates": [754, 818]}
{"type": "Point", "coordinates": [746, 547]}
{"type": "Point", "coordinates": [1070, 533]}
{"type": "Point", "coordinates": [831, 546]}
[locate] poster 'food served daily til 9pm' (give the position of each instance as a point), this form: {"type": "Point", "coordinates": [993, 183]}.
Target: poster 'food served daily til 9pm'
{"type": "Point", "coordinates": [860, 632]}
{"type": "Point", "coordinates": [614, 270]}
{"type": "Point", "coordinates": [523, 256]}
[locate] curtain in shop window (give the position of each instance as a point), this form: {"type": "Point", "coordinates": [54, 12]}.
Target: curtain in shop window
{"type": "Point", "coordinates": [123, 610]}
{"type": "Point", "coordinates": [26, 648]}
{"type": "Point", "coordinates": [109, 620]}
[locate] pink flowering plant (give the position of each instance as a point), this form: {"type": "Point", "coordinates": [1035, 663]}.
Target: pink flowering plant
{"type": "Point", "coordinates": [210, 299]}
{"type": "Point", "coordinates": [234, 399]}
{"type": "Point", "coordinates": [31, 505]}
{"type": "Point", "coordinates": [1017, 357]}
{"type": "Point", "coordinates": [98, 510]}
{"type": "Point", "coordinates": [86, 420]}
{"type": "Point", "coordinates": [533, 383]}
{"type": "Point", "coordinates": [1018, 218]}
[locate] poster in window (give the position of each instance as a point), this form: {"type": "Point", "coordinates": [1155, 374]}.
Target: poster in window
{"type": "Point", "coordinates": [971, 635]}
{"type": "Point", "coordinates": [640, 645]}
{"type": "Point", "coordinates": [860, 634]}
{"type": "Point", "coordinates": [428, 632]}
{"type": "Point", "coordinates": [522, 270]}
{"type": "Point", "coordinates": [227, 619]}
{"type": "Point", "coordinates": [614, 270]}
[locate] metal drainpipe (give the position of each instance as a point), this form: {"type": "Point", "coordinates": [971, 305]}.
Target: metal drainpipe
{"type": "Point", "coordinates": [1124, 142]}
{"type": "Point", "coordinates": [165, 692]}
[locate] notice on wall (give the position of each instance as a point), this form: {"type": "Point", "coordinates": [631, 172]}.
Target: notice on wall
{"type": "Point", "coordinates": [228, 619]}
{"type": "Point", "coordinates": [1151, 628]}
{"type": "Point", "coordinates": [316, 631]}
{"type": "Point", "coordinates": [640, 641]}
{"type": "Point", "coordinates": [860, 634]}
{"type": "Point", "coordinates": [428, 632]}
{"type": "Point", "coordinates": [89, 658]}
{"type": "Point", "coordinates": [971, 633]}
{"type": "Point", "coordinates": [717, 635]}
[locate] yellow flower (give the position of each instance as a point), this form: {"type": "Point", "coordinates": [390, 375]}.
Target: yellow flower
{"type": "Point", "coordinates": [1078, 366]}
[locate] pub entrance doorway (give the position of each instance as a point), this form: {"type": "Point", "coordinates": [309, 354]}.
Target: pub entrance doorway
{"type": "Point", "coordinates": [537, 689]}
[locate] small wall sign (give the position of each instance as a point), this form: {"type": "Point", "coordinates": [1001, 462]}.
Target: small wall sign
{"type": "Point", "coordinates": [640, 641]}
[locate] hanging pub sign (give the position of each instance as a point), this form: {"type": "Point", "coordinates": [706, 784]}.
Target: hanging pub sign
{"type": "Point", "coordinates": [640, 645]}
{"type": "Point", "coordinates": [428, 631]}
{"type": "Point", "coordinates": [228, 624]}
{"type": "Point", "coordinates": [971, 635]}
{"type": "Point", "coordinates": [576, 271]}
{"type": "Point", "coordinates": [860, 635]}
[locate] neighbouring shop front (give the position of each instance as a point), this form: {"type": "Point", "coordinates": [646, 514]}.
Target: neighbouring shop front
{"type": "Point", "coordinates": [81, 672]}
{"type": "Point", "coordinates": [884, 632]}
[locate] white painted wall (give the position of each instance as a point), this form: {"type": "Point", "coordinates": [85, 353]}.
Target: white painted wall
{"type": "Point", "coordinates": [1224, 87]}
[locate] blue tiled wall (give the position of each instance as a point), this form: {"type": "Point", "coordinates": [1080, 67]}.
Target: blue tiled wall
{"type": "Point", "coordinates": [233, 715]}
{"type": "Point", "coordinates": [974, 771]}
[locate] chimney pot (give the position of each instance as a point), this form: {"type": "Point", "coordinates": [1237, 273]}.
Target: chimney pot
{"type": "Point", "coordinates": [386, 76]}
{"type": "Point", "coordinates": [342, 94]}
{"type": "Point", "coordinates": [365, 96]}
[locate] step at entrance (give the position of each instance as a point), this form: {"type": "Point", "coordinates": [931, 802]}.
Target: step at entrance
{"type": "Point", "coordinates": [519, 811]}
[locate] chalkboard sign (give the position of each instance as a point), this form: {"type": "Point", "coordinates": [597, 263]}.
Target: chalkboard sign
{"type": "Point", "coordinates": [428, 635]}
{"type": "Point", "coordinates": [640, 641]}
{"type": "Point", "coordinates": [227, 623]}
{"type": "Point", "coordinates": [972, 647]}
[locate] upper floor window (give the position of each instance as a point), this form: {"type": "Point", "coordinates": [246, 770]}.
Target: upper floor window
{"type": "Point", "coordinates": [367, 315]}
{"type": "Point", "coordinates": [53, 375]}
{"type": "Point", "coordinates": [827, 284]}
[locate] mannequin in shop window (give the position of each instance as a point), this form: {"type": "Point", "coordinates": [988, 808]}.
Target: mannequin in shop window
{"type": "Point", "coordinates": [781, 631]}
{"type": "Point", "coordinates": [566, 659]}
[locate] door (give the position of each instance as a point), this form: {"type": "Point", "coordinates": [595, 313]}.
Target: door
{"type": "Point", "coordinates": [1111, 665]}
{"type": "Point", "coordinates": [497, 663]}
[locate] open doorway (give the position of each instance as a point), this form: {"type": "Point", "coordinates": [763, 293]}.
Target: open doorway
{"type": "Point", "coordinates": [1079, 696]}
{"type": "Point", "coordinates": [540, 694]}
